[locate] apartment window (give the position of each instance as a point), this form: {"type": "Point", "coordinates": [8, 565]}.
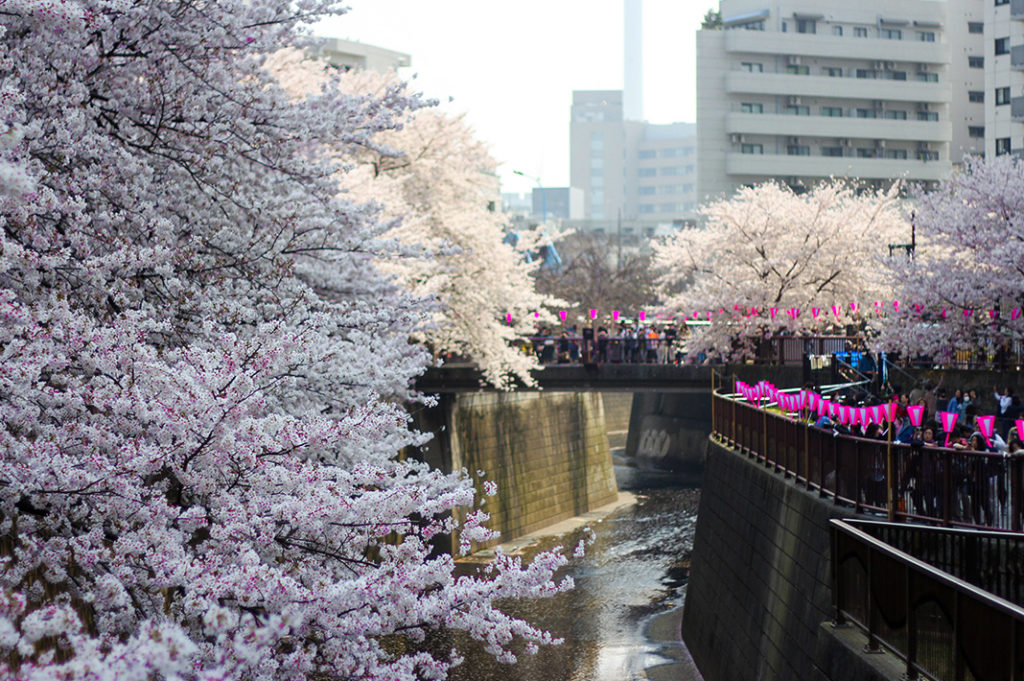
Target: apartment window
{"type": "Point", "coordinates": [596, 143]}
{"type": "Point", "coordinates": [1002, 95]}
{"type": "Point", "coordinates": [833, 111]}
{"type": "Point", "coordinates": [806, 26]}
{"type": "Point", "coordinates": [798, 150]}
{"type": "Point", "coordinates": [1002, 46]}
{"type": "Point", "coordinates": [896, 154]}
{"type": "Point", "coordinates": [976, 62]}
{"type": "Point", "coordinates": [752, 66]}
{"type": "Point", "coordinates": [976, 95]}
{"type": "Point", "coordinates": [670, 207]}
{"type": "Point", "coordinates": [895, 115]}
{"type": "Point", "coordinates": [646, 172]}
{"type": "Point", "coordinates": [670, 153]}
{"type": "Point", "coordinates": [1002, 146]}
{"type": "Point", "coordinates": [832, 71]}
{"type": "Point", "coordinates": [646, 208]}
{"type": "Point", "coordinates": [890, 33]}
{"type": "Point", "coordinates": [785, 26]}
{"type": "Point", "coordinates": [669, 171]}
{"type": "Point", "coordinates": [837, 30]}
{"type": "Point", "coordinates": [863, 152]}
{"type": "Point", "coordinates": [689, 169]}
{"type": "Point", "coordinates": [865, 113]}
{"type": "Point", "coordinates": [752, 149]}
{"type": "Point", "coordinates": [798, 110]}
{"type": "Point", "coordinates": [646, 190]}
{"type": "Point", "coordinates": [644, 154]}
{"type": "Point", "coordinates": [860, 32]}
{"type": "Point", "coordinates": [798, 69]}
{"type": "Point", "coordinates": [926, 36]}
{"type": "Point", "coordinates": [927, 77]}
{"type": "Point", "coordinates": [751, 107]}
{"type": "Point", "coordinates": [925, 155]}
{"type": "Point", "coordinates": [687, 188]}
{"type": "Point", "coordinates": [831, 151]}
{"type": "Point", "coordinates": [670, 189]}
{"type": "Point", "coordinates": [927, 116]}
{"type": "Point", "coordinates": [866, 73]}
{"type": "Point", "coordinates": [1002, 2]}
{"type": "Point", "coordinates": [975, 27]}
{"type": "Point", "coordinates": [975, 131]}
{"type": "Point", "coordinates": [894, 75]}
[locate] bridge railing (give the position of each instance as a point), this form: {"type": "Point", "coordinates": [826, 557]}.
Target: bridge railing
{"type": "Point", "coordinates": [946, 602]}
{"type": "Point", "coordinates": [949, 487]}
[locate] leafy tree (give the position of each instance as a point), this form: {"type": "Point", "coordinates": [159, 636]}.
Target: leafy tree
{"type": "Point", "coordinates": [201, 367]}
{"type": "Point", "coordinates": [594, 276]}
{"type": "Point", "coordinates": [712, 20]}
{"type": "Point", "coordinates": [966, 276]}
{"type": "Point", "coordinates": [768, 248]}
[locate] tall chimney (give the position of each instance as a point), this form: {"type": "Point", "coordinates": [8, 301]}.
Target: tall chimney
{"type": "Point", "coordinates": [633, 61]}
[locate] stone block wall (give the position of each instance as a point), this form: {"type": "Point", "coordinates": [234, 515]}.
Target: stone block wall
{"type": "Point", "coordinates": [547, 452]}
{"type": "Point", "coordinates": [759, 584]}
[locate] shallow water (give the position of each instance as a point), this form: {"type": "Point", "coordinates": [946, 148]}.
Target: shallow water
{"type": "Point", "coordinates": [621, 621]}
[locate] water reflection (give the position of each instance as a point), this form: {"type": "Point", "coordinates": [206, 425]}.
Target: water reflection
{"type": "Point", "coordinates": [622, 620]}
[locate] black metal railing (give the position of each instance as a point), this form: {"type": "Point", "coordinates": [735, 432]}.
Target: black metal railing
{"type": "Point", "coordinates": [945, 601]}
{"type": "Point", "coordinates": [949, 487]}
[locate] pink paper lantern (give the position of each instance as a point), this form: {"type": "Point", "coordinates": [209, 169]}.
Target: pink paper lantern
{"type": "Point", "coordinates": [593, 313]}
{"type": "Point", "coordinates": [1014, 313]}
{"type": "Point", "coordinates": [877, 414]}
{"type": "Point", "coordinates": [889, 408]}
{"type": "Point", "coordinates": [986, 424]}
{"type": "Point", "coordinates": [862, 416]}
{"type": "Point", "coordinates": [773, 312]}
{"type": "Point", "coordinates": [508, 318]}
{"type": "Point", "coordinates": [815, 311]}
{"type": "Point", "coordinates": [615, 315]}
{"type": "Point", "coordinates": [992, 314]}
{"type": "Point", "coordinates": [916, 414]}
{"type": "Point", "coordinates": [1020, 429]}
{"type": "Point", "coordinates": [562, 314]}
{"type": "Point", "coordinates": [536, 315]}
{"type": "Point", "coordinates": [853, 308]}
{"type": "Point", "coordinates": [948, 420]}
{"type": "Point", "coordinates": [642, 315]}
{"type": "Point", "coordinates": [836, 310]}
{"type": "Point", "coordinates": [822, 407]}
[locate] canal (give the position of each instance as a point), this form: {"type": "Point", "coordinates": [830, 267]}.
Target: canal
{"type": "Point", "coordinates": [621, 622]}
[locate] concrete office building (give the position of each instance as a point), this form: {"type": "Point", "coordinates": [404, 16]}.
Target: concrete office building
{"type": "Point", "coordinates": [348, 55]}
{"type": "Point", "coordinates": [801, 91]}
{"type": "Point", "coordinates": [641, 173]}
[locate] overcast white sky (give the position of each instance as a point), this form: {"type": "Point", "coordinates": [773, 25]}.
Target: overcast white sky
{"type": "Point", "coordinates": [512, 66]}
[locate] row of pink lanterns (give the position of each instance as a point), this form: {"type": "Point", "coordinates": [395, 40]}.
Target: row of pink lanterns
{"type": "Point", "coordinates": [882, 413]}
{"type": "Point", "coordinates": [564, 314]}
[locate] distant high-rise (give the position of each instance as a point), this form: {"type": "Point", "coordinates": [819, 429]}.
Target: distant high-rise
{"type": "Point", "coordinates": [633, 60]}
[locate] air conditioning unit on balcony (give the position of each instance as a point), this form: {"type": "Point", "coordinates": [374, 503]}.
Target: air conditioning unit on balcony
{"type": "Point", "coordinates": [793, 101]}
{"type": "Point", "coordinates": [876, 103]}
{"type": "Point", "coordinates": [793, 60]}
{"type": "Point", "coordinates": [879, 144]}
{"type": "Point", "coordinates": [923, 106]}
{"type": "Point", "coordinates": [844, 141]}
{"type": "Point", "coordinates": [890, 65]}
{"type": "Point", "coordinates": [879, 65]}
{"type": "Point", "coordinates": [924, 146]}
{"type": "Point", "coordinates": [736, 138]}
{"type": "Point", "coordinates": [792, 140]}
{"type": "Point", "coordinates": [924, 68]}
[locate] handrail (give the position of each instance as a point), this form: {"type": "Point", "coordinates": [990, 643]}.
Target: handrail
{"type": "Point", "coordinates": [940, 625]}
{"type": "Point", "coordinates": [948, 487]}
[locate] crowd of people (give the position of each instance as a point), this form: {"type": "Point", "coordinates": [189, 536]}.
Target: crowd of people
{"type": "Point", "coordinates": [628, 344]}
{"type": "Point", "coordinates": [979, 485]}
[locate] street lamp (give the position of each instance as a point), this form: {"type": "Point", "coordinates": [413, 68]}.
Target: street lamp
{"type": "Point", "coordinates": [543, 194]}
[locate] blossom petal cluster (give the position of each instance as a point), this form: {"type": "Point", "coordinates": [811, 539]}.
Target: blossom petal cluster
{"type": "Point", "coordinates": [202, 369]}
{"type": "Point", "coordinates": [767, 250]}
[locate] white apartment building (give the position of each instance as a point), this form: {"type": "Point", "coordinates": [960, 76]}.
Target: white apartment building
{"type": "Point", "coordinates": [802, 91]}
{"type": "Point", "coordinates": [1003, 75]}
{"type": "Point", "coordinates": [349, 54]}
{"type": "Point", "coordinates": [641, 174]}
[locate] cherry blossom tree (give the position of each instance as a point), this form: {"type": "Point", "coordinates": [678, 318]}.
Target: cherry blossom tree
{"type": "Point", "coordinates": [201, 367]}
{"type": "Point", "coordinates": [438, 185]}
{"type": "Point", "coordinates": [768, 260]}
{"type": "Point", "coordinates": [960, 289]}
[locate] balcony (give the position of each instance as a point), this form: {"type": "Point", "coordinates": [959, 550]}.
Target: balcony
{"type": "Point", "coordinates": [1017, 9]}
{"type": "Point", "coordinates": [828, 166]}
{"type": "Point", "coordinates": [827, 126]}
{"type": "Point", "coordinates": [1017, 57]}
{"type": "Point", "coordinates": [769, 42]}
{"type": "Point", "coordinates": [744, 82]}
{"type": "Point", "coordinates": [1017, 108]}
